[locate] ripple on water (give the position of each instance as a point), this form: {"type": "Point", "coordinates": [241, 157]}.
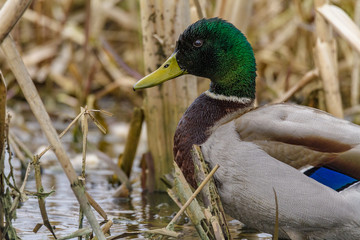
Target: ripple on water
{"type": "Point", "coordinates": [140, 212]}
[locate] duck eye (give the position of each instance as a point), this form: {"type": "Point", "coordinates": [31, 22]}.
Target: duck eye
{"type": "Point", "coordinates": [198, 43]}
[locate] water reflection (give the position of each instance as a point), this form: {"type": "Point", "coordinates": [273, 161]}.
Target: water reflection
{"type": "Point", "coordinates": [139, 212]}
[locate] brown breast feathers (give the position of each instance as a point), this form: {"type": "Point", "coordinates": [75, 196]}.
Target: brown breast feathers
{"type": "Point", "coordinates": [193, 128]}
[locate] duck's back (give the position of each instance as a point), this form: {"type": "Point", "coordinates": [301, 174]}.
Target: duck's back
{"type": "Point", "coordinates": [249, 151]}
{"type": "Point", "coordinates": [302, 136]}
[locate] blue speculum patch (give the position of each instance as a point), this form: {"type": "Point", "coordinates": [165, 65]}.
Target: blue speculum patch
{"type": "Point", "coordinates": [331, 178]}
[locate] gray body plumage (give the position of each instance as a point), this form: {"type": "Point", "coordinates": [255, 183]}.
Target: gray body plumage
{"type": "Point", "coordinates": [248, 175]}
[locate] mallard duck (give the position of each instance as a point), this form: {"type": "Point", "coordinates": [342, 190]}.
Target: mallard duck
{"type": "Point", "coordinates": [308, 157]}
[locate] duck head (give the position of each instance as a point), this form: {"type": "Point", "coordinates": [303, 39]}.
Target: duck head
{"type": "Point", "coordinates": [211, 48]}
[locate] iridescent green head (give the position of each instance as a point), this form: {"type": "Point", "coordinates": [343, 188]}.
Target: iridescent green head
{"type": "Point", "coordinates": [215, 49]}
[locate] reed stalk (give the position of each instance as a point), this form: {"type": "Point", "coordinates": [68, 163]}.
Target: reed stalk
{"type": "Point", "coordinates": [199, 9]}
{"type": "Point", "coordinates": [213, 208]}
{"type": "Point", "coordinates": [308, 77]}
{"type": "Point", "coordinates": [85, 130]}
{"type": "Point", "coordinates": [3, 95]}
{"type": "Point", "coordinates": [162, 22]}
{"type": "Point", "coordinates": [355, 75]}
{"type": "Point", "coordinates": [193, 196]}
{"type": "Point", "coordinates": [132, 141]}
{"type": "Point", "coordinates": [341, 23]}
{"type": "Point", "coordinates": [10, 14]}
{"type": "Point", "coordinates": [18, 153]}
{"type": "Point", "coordinates": [238, 12]}
{"type": "Point", "coordinates": [41, 198]}
{"type": "Point", "coordinates": [28, 88]}
{"type": "Point", "coordinates": [194, 210]}
{"type": "Point", "coordinates": [2, 150]}
{"type": "Point", "coordinates": [326, 60]}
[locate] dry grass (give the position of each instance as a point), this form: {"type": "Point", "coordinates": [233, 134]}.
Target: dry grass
{"type": "Point", "coordinates": [73, 62]}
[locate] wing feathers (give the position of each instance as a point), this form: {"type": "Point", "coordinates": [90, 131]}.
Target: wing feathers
{"type": "Point", "coordinates": [301, 136]}
{"type": "Point", "coordinates": [295, 155]}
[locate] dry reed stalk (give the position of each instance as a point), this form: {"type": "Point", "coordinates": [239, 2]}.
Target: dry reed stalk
{"type": "Point", "coordinates": [194, 210]}
{"type": "Point", "coordinates": [17, 151]}
{"type": "Point", "coordinates": [58, 68]}
{"type": "Point", "coordinates": [123, 81]}
{"type": "Point", "coordinates": [107, 90]}
{"type": "Point", "coordinates": [39, 187]}
{"type": "Point", "coordinates": [132, 140]}
{"type": "Point", "coordinates": [342, 23]}
{"type": "Point", "coordinates": [78, 233]}
{"type": "Point", "coordinates": [63, 132]}
{"type": "Point", "coordinates": [199, 9]}
{"type": "Point", "coordinates": [10, 13]}
{"type": "Point", "coordinates": [238, 12]}
{"type": "Point", "coordinates": [2, 150]}
{"type": "Point", "coordinates": [28, 88]}
{"type": "Point", "coordinates": [326, 60]}
{"type": "Point", "coordinates": [98, 17]}
{"type": "Point", "coordinates": [84, 130]}
{"type": "Point", "coordinates": [3, 95]}
{"type": "Point", "coordinates": [172, 194]}
{"type": "Point", "coordinates": [87, 66]}
{"type": "Point", "coordinates": [168, 231]}
{"type": "Point", "coordinates": [162, 22]}
{"type": "Point", "coordinates": [309, 76]}
{"type": "Point", "coordinates": [120, 62]}
{"type": "Point", "coordinates": [118, 171]}
{"type": "Point", "coordinates": [355, 74]}
{"type": "Point", "coordinates": [163, 232]}
{"type": "Point", "coordinates": [213, 211]}
{"type": "Point", "coordinates": [284, 34]}
{"type": "Point", "coordinates": [118, 15]}
{"type": "Point", "coordinates": [41, 198]}
{"type": "Point", "coordinates": [96, 122]}
{"type": "Point", "coordinates": [40, 53]}
{"type": "Point", "coordinates": [68, 31]}
{"type": "Point", "coordinates": [218, 233]}
{"type": "Point", "coordinates": [84, 114]}
{"type": "Point", "coordinates": [107, 226]}
{"type": "Point", "coordinates": [219, 8]}
{"type": "Point", "coordinates": [80, 115]}
{"type": "Point", "coordinates": [21, 196]}
{"type": "Point", "coordinates": [96, 206]}
{"type": "Point", "coordinates": [193, 196]}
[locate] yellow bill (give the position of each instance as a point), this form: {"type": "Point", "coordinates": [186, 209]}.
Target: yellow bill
{"type": "Point", "coordinates": [169, 70]}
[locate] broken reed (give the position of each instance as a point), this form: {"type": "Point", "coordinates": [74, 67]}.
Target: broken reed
{"type": "Point", "coordinates": [29, 90]}
{"type": "Point", "coordinates": [41, 195]}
